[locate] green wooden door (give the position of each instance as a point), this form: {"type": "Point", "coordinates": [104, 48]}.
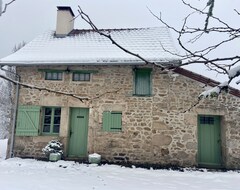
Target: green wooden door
{"type": "Point", "coordinates": [209, 141]}
{"type": "Point", "coordinates": [78, 135]}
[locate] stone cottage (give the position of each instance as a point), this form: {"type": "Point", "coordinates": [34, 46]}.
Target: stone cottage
{"type": "Point", "coordinates": [129, 111]}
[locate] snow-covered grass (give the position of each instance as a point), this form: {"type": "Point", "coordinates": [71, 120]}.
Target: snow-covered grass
{"type": "Point", "coordinates": [28, 174]}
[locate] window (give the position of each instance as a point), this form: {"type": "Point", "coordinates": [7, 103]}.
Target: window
{"type": "Point", "coordinates": [207, 120]}
{"type": "Point", "coordinates": [28, 120]}
{"type": "Point", "coordinates": [51, 120]}
{"type": "Point", "coordinates": [81, 76]}
{"type": "Point", "coordinates": [112, 121]}
{"type": "Point", "coordinates": [142, 82]}
{"type": "Point", "coordinates": [53, 75]}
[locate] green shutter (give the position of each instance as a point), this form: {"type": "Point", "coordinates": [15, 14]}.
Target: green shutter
{"type": "Point", "coordinates": [112, 121]}
{"type": "Point", "coordinates": [28, 120]}
{"type": "Point", "coordinates": [116, 121]}
{"type": "Point", "coordinates": [143, 82]}
{"type": "Point", "coordinates": [106, 121]}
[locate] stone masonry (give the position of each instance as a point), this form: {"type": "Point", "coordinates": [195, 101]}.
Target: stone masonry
{"type": "Point", "coordinates": [155, 129]}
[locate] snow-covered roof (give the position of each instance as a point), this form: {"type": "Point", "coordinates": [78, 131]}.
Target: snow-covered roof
{"type": "Point", "coordinates": [86, 47]}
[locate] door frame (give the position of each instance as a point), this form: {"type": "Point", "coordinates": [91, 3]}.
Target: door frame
{"type": "Point", "coordinates": [69, 131]}
{"type": "Point", "coordinates": [210, 165]}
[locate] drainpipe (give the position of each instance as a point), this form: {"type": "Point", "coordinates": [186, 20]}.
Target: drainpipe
{"type": "Point", "coordinates": [17, 78]}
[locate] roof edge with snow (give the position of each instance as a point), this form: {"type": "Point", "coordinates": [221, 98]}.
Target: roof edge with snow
{"type": "Point", "coordinates": [87, 47]}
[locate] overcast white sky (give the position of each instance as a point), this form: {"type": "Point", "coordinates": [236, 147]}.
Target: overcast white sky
{"type": "Point", "coordinates": [25, 19]}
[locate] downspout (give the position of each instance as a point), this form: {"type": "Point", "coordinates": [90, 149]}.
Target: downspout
{"type": "Point", "coordinates": [17, 78]}
{"type": "Point", "coordinates": [14, 118]}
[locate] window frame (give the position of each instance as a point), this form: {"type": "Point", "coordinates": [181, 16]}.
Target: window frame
{"type": "Point", "coordinates": [52, 72]}
{"type": "Point", "coordinates": [51, 121]}
{"type": "Point", "coordinates": [106, 127]}
{"type": "Point", "coordinates": [206, 120]}
{"type": "Point", "coordinates": [81, 73]}
{"type": "Point", "coordinates": [142, 70]}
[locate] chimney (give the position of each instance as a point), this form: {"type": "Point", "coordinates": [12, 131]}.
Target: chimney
{"type": "Point", "coordinates": [65, 22]}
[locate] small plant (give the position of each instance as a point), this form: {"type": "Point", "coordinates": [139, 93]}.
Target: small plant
{"type": "Point", "coordinates": [53, 146]}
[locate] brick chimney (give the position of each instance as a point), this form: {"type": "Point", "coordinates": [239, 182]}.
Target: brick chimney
{"type": "Point", "coordinates": [65, 22]}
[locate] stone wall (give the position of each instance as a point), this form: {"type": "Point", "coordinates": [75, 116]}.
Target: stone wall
{"type": "Point", "coordinates": [155, 129]}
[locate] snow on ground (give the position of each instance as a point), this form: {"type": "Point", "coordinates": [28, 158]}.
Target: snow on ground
{"type": "Point", "coordinates": [29, 174]}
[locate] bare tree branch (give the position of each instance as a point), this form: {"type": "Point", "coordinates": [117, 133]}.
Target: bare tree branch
{"type": "Point", "coordinates": [191, 57]}
{"type": "Point", "coordinates": [42, 89]}
{"type": "Point", "coordinates": [108, 92]}
{"type": "Point", "coordinates": [192, 106]}
{"type": "Point", "coordinates": [221, 65]}
{"type": "Point", "coordinates": [5, 6]}
{"type": "Point", "coordinates": [165, 23]}
{"type": "Point", "coordinates": [87, 19]}
{"type": "Point", "coordinates": [82, 99]}
{"type": "Point", "coordinates": [200, 55]}
{"type": "Point", "coordinates": [207, 14]}
{"type": "Point", "coordinates": [237, 11]}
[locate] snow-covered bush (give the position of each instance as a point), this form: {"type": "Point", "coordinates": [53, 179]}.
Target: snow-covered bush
{"type": "Point", "coordinates": [54, 146]}
{"type": "Point", "coordinates": [214, 92]}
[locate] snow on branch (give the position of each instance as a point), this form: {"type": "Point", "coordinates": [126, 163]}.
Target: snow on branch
{"type": "Point", "coordinates": [238, 82]}
{"type": "Point", "coordinates": [234, 72]}
{"type": "Point", "coordinates": [210, 13]}
{"type": "Point", "coordinates": [215, 91]}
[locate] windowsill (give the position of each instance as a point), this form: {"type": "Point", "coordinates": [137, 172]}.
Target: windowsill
{"type": "Point", "coordinates": [143, 95]}
{"type": "Point", "coordinates": [53, 80]}
{"type": "Point", "coordinates": [49, 134]}
{"type": "Point", "coordinates": [80, 82]}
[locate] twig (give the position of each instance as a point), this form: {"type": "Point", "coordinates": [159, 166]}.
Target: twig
{"type": "Point", "coordinates": [87, 19]}
{"type": "Point", "coordinates": [191, 57]}
{"type": "Point", "coordinates": [6, 6]}
{"type": "Point", "coordinates": [192, 106]}
{"type": "Point", "coordinates": [237, 11]}
{"type": "Point", "coordinates": [43, 89]}
{"type": "Point", "coordinates": [108, 92]}
{"type": "Point", "coordinates": [82, 99]}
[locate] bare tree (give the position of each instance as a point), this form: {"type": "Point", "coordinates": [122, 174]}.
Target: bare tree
{"type": "Point", "coordinates": [19, 46]}
{"type": "Point", "coordinates": [187, 36]}
{"type": "Point", "coordinates": [5, 109]}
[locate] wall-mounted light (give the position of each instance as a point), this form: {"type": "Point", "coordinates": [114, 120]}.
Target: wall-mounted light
{"type": "Point", "coordinates": [67, 70]}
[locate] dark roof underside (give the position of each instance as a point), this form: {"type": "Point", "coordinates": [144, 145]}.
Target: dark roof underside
{"type": "Point", "coordinates": [204, 80]}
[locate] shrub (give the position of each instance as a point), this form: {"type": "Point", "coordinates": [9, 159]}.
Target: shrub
{"type": "Point", "coordinates": [53, 146]}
